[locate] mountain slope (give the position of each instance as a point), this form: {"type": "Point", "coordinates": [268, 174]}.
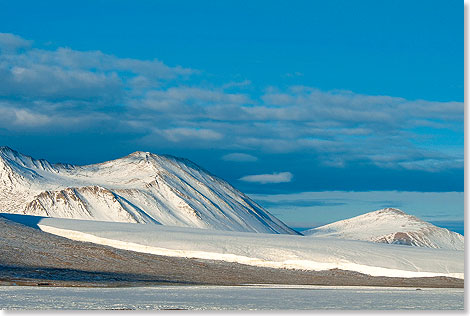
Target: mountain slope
{"type": "Point", "coordinates": [139, 188]}
{"type": "Point", "coordinates": [391, 226]}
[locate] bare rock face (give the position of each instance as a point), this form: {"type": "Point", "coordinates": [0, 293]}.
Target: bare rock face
{"type": "Point", "coordinates": [139, 188]}
{"type": "Point", "coordinates": [391, 226]}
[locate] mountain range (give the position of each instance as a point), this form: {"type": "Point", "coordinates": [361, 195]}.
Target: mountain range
{"type": "Point", "coordinates": [147, 188]}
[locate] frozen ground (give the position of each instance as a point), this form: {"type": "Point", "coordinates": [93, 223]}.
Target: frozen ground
{"type": "Point", "coordinates": [232, 298]}
{"type": "Point", "coordinates": [262, 250]}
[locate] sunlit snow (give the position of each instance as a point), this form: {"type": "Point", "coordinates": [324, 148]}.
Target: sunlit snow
{"type": "Point", "coordinates": [267, 250]}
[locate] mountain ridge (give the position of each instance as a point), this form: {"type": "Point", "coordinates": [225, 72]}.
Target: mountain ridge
{"type": "Point", "coordinates": [141, 187]}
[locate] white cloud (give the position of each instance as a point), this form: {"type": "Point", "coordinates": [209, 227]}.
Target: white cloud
{"type": "Point", "coordinates": [432, 165]}
{"type": "Point", "coordinates": [337, 127]}
{"type": "Point", "coordinates": [235, 84]}
{"type": "Point", "coordinates": [65, 73]}
{"type": "Point", "coordinates": [241, 157]}
{"type": "Point", "coordinates": [276, 177]}
{"type": "Point", "coordinates": [181, 133]}
{"type": "Point", "coordinates": [73, 59]}
{"type": "Point", "coordinates": [194, 99]}
{"type": "Point", "coordinates": [11, 42]}
{"type": "Point", "coordinates": [345, 107]}
{"type": "Point", "coordinates": [52, 82]}
{"type": "Point", "coordinates": [25, 117]}
{"type": "Point", "coordinates": [21, 116]}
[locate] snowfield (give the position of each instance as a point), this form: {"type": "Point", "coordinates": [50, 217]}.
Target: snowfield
{"type": "Point", "coordinates": [391, 226]}
{"type": "Point", "coordinates": [257, 249]}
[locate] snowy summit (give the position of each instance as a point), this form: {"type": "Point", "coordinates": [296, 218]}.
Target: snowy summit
{"type": "Point", "coordinates": [391, 226]}
{"type": "Point", "coordinates": [139, 188]}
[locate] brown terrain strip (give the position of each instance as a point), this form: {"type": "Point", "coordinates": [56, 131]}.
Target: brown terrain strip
{"type": "Point", "coordinates": [29, 256]}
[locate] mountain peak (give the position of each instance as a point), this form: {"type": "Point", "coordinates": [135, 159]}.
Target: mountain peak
{"type": "Point", "coordinates": [392, 226]}
{"type": "Point", "coordinates": [141, 187]}
{"type": "Point", "coordinates": [140, 154]}
{"type": "Point", "coordinates": [11, 154]}
{"type": "Point", "coordinates": [391, 210]}
{"type": "Point", "coordinates": [7, 150]}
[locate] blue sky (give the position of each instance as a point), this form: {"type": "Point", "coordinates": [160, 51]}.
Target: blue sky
{"type": "Point", "coordinates": [275, 97]}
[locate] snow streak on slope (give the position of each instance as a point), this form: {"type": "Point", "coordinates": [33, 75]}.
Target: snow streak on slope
{"type": "Point", "coordinates": [266, 250]}
{"type": "Point", "coordinates": [391, 226]}
{"type": "Point", "coordinates": [139, 188]}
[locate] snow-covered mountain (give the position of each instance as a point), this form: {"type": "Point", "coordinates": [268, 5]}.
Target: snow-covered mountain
{"type": "Point", "coordinates": [139, 188]}
{"type": "Point", "coordinates": [391, 226]}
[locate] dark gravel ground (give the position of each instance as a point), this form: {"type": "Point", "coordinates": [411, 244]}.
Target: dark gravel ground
{"type": "Point", "coordinates": [29, 256]}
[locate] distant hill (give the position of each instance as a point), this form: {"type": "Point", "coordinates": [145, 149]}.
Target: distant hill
{"type": "Point", "coordinates": [391, 226]}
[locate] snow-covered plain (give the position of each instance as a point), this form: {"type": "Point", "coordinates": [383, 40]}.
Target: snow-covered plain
{"type": "Point", "coordinates": [267, 250]}
{"type": "Point", "coordinates": [391, 226]}
{"type": "Point", "coordinates": [232, 298]}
